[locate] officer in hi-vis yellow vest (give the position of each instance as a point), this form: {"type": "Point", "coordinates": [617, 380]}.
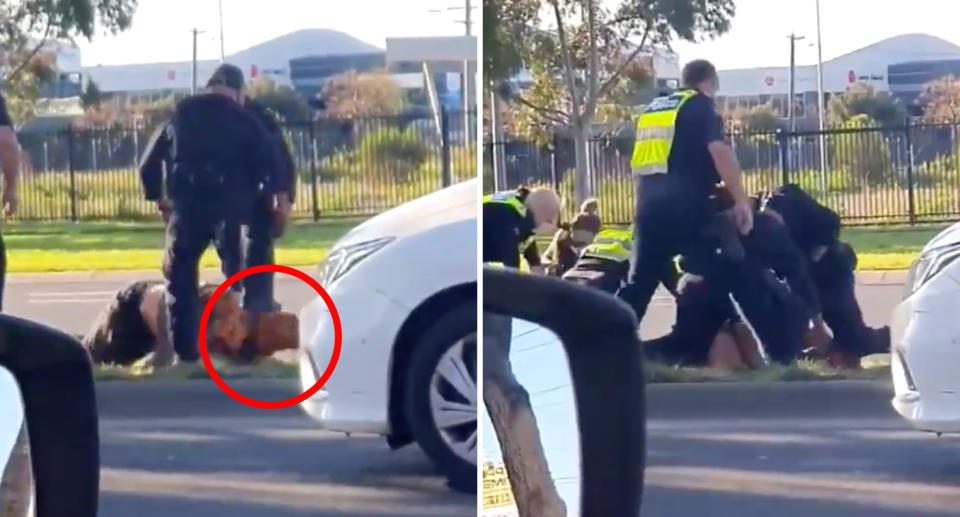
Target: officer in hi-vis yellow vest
{"type": "Point", "coordinates": [678, 159]}
{"type": "Point", "coordinates": [604, 263]}
{"type": "Point", "coordinates": [510, 222]}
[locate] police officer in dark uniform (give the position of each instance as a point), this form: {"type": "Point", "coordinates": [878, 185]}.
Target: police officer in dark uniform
{"type": "Point", "coordinates": [832, 264]}
{"type": "Point", "coordinates": [268, 220]}
{"type": "Point", "coordinates": [679, 157]}
{"type": "Point", "coordinates": [10, 163]}
{"type": "Point", "coordinates": [220, 163]}
{"type": "Point", "coordinates": [510, 221]}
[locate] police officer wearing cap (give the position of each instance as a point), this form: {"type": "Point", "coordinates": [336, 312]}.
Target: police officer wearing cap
{"type": "Point", "coordinates": [678, 159]}
{"type": "Point", "coordinates": [214, 161]}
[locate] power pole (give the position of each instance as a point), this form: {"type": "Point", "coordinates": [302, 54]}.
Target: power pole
{"type": "Point", "coordinates": [793, 61]}
{"type": "Point", "coordinates": [222, 52]}
{"type": "Point", "coordinates": [193, 73]}
{"type": "Point", "coordinates": [792, 100]}
{"type": "Point", "coordinates": [820, 106]}
{"type": "Point", "coordinates": [467, 80]}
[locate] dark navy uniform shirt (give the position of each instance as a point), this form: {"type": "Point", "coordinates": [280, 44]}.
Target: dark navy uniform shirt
{"type": "Point", "coordinates": [209, 139]}
{"type": "Point", "coordinates": [504, 230]}
{"type": "Point", "coordinates": [697, 125]}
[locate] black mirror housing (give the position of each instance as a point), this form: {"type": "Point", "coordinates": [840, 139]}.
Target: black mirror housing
{"type": "Point", "coordinates": [56, 382]}
{"type": "Point", "coordinates": [599, 335]}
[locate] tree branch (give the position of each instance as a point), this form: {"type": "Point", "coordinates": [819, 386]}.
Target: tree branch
{"type": "Point", "coordinates": [555, 116]}
{"type": "Point", "coordinates": [593, 62]}
{"type": "Point", "coordinates": [33, 53]}
{"type": "Point", "coordinates": [605, 88]}
{"type": "Point", "coordinates": [567, 62]}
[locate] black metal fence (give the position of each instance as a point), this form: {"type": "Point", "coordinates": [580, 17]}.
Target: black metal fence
{"type": "Point", "coordinates": [345, 167]}
{"type": "Point", "coordinates": [869, 175]}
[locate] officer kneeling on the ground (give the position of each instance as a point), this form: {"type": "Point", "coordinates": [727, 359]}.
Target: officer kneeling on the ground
{"type": "Point", "coordinates": [511, 220]}
{"type": "Point", "coordinates": [220, 164]}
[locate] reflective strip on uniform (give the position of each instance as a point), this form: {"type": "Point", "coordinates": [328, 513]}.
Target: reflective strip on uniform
{"type": "Point", "coordinates": [655, 133]}
{"type": "Point", "coordinates": [612, 245]}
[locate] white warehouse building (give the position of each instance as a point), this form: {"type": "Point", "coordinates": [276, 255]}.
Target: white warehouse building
{"type": "Point", "coordinates": [876, 65]}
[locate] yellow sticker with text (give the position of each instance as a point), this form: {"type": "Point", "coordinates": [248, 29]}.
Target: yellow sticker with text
{"type": "Point", "coordinates": [497, 495]}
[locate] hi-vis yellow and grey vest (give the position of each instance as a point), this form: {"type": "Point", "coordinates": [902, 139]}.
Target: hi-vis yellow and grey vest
{"type": "Point", "coordinates": [511, 199]}
{"type": "Point", "coordinates": [655, 130]}
{"type": "Point", "coordinates": [610, 244]}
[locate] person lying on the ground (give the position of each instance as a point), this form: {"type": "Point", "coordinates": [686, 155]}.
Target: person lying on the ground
{"type": "Point", "coordinates": [131, 327]}
{"type": "Point", "coordinates": [832, 264]}
{"type": "Point", "coordinates": [709, 331]}
{"type": "Point", "coordinates": [570, 239]}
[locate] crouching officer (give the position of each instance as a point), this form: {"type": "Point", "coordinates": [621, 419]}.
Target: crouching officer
{"type": "Point", "coordinates": [220, 164]}
{"type": "Point", "coordinates": [605, 262]}
{"type": "Point", "coordinates": [510, 222]}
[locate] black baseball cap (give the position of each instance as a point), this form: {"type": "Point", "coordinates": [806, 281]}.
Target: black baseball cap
{"type": "Point", "coordinates": [227, 75]}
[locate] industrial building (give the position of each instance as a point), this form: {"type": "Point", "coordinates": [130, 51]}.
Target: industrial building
{"type": "Point", "coordinates": [899, 65]}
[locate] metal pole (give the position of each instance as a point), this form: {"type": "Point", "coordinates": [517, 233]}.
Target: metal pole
{"type": "Point", "coordinates": [820, 107]}
{"type": "Point", "coordinates": [193, 72]}
{"type": "Point", "coordinates": [792, 95]}
{"type": "Point", "coordinates": [466, 81]}
{"type": "Point", "coordinates": [222, 52]}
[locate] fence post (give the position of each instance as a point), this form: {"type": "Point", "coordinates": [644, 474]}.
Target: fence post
{"type": "Point", "coordinates": [784, 160]}
{"type": "Point", "coordinates": [314, 195]}
{"type": "Point", "coordinates": [73, 175]}
{"type": "Point", "coordinates": [555, 144]}
{"type": "Point", "coordinates": [911, 201]}
{"type": "Point", "coordinates": [445, 148]}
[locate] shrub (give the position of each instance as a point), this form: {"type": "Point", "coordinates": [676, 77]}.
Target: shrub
{"type": "Point", "coordinates": [869, 161]}
{"type": "Point", "coordinates": [400, 152]}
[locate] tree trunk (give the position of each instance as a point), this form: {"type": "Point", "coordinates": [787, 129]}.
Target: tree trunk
{"type": "Point", "coordinates": [508, 405]}
{"type": "Point", "coordinates": [581, 186]}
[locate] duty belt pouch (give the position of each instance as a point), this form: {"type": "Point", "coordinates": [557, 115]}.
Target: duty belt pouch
{"type": "Point", "coordinates": [720, 232]}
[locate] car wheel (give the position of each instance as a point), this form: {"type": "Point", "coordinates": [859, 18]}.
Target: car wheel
{"type": "Point", "coordinates": [441, 396]}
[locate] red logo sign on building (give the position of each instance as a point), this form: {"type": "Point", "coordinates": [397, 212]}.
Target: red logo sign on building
{"type": "Point", "coordinates": [851, 77]}
{"type": "Point", "coordinates": [768, 80]}
{"type": "Point", "coordinates": [171, 74]}
{"type": "Point", "coordinates": [254, 71]}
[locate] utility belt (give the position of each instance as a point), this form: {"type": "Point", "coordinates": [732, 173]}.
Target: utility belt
{"type": "Point", "coordinates": [211, 180]}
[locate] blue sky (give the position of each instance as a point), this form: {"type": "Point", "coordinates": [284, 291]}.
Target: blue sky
{"type": "Point", "coordinates": [161, 28]}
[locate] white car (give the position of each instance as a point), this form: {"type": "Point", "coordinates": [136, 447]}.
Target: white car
{"type": "Point", "coordinates": [925, 338]}
{"type": "Point", "coordinates": [16, 478]}
{"type": "Point", "coordinates": [405, 286]}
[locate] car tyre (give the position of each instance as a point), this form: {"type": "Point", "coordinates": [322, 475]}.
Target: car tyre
{"type": "Point", "coordinates": [441, 394]}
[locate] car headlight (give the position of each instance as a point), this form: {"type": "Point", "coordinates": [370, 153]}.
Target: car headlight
{"type": "Point", "coordinates": [928, 265]}
{"type": "Point", "coordinates": [341, 260]}
{"type": "Point", "coordinates": [16, 485]}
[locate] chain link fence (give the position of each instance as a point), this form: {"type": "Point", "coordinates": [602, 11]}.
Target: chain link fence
{"type": "Point", "coordinates": [345, 167]}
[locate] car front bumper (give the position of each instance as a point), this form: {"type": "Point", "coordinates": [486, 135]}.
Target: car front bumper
{"type": "Point", "coordinates": [925, 355]}
{"type": "Point", "coordinates": [355, 399]}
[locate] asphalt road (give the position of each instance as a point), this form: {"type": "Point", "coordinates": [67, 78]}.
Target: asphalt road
{"type": "Point", "coordinates": [216, 458]}
{"type": "Point", "coordinates": [71, 302]}
{"type": "Point", "coordinates": [831, 449]}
